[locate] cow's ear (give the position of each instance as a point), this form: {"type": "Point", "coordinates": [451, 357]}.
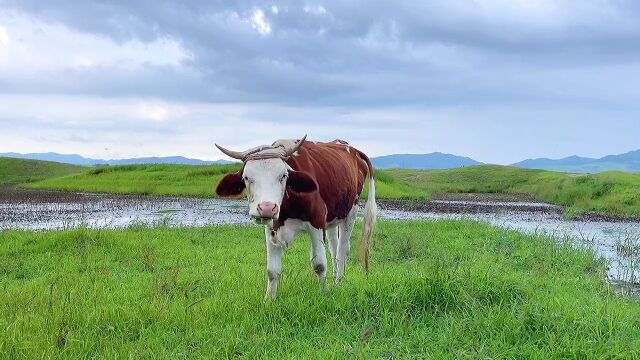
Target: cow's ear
{"type": "Point", "coordinates": [231, 186]}
{"type": "Point", "coordinates": [301, 182]}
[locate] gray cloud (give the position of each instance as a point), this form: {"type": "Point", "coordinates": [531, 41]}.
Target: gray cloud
{"type": "Point", "coordinates": [500, 80]}
{"type": "Point", "coordinates": [356, 54]}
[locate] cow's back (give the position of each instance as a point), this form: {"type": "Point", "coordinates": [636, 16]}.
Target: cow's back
{"type": "Point", "coordinates": [340, 171]}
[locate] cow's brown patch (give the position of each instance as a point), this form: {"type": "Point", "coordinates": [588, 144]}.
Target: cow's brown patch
{"type": "Point", "coordinates": [340, 172]}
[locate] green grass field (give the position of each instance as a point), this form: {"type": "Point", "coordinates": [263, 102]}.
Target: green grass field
{"type": "Point", "coordinates": [18, 171]}
{"type": "Point", "coordinates": [441, 289]}
{"type": "Point", "coordinates": [613, 192]}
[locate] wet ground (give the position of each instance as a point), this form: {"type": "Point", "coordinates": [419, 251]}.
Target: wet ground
{"type": "Point", "coordinates": [616, 239]}
{"type": "Point", "coordinates": [42, 210]}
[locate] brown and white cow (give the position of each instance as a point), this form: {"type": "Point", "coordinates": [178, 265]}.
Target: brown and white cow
{"type": "Point", "coordinates": [299, 186]}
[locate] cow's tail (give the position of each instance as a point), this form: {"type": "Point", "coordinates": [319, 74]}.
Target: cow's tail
{"type": "Point", "coordinates": [370, 211]}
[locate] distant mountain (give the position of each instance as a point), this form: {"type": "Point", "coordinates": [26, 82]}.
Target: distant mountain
{"type": "Point", "coordinates": [575, 164]}
{"type": "Point", "coordinates": [50, 156]}
{"type": "Point", "coordinates": [80, 160]}
{"type": "Point", "coordinates": [542, 162]}
{"type": "Point", "coordinates": [624, 162]}
{"type": "Point", "coordinates": [165, 160]}
{"type": "Point", "coordinates": [435, 160]}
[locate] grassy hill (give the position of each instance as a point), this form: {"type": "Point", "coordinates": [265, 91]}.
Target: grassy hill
{"type": "Point", "coordinates": [154, 179]}
{"type": "Point", "coordinates": [612, 192]}
{"type": "Point", "coordinates": [16, 171]}
{"type": "Point", "coordinates": [442, 289]}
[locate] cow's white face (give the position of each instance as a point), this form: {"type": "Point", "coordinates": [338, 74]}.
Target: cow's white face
{"type": "Point", "coordinates": [265, 181]}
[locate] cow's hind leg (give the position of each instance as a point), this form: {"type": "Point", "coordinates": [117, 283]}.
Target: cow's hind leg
{"type": "Point", "coordinates": [332, 237]}
{"type": "Point", "coordinates": [274, 266]}
{"type": "Point", "coordinates": [344, 243]}
{"type": "Point", "coordinates": [318, 255]}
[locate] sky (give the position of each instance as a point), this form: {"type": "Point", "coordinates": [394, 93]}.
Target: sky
{"type": "Point", "coordinates": [496, 80]}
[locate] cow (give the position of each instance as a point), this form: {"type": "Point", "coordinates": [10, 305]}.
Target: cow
{"type": "Point", "coordinates": [296, 186]}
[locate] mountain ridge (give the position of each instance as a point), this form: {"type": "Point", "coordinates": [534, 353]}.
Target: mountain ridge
{"type": "Point", "coordinates": [629, 161]}
{"type": "Point", "coordinates": [430, 161]}
{"type": "Point", "coordinates": [76, 159]}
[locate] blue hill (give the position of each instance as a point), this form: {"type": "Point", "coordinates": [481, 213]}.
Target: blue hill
{"type": "Point", "coordinates": [80, 160]}
{"type": "Point", "coordinates": [623, 162]}
{"type": "Point", "coordinates": [435, 160]}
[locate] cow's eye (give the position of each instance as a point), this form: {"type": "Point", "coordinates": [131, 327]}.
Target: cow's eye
{"type": "Point", "coordinates": [283, 177]}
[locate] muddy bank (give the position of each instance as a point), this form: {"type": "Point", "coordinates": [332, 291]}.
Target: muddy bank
{"type": "Point", "coordinates": [484, 197]}
{"type": "Point", "coordinates": [13, 195]}
{"type": "Point", "coordinates": [469, 204]}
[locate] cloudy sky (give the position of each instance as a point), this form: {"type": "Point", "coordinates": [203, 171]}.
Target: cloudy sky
{"type": "Point", "coordinates": [497, 80]}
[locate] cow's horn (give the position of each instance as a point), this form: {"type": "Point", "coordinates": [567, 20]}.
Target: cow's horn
{"type": "Point", "coordinates": [234, 154]}
{"type": "Point", "coordinates": [296, 146]}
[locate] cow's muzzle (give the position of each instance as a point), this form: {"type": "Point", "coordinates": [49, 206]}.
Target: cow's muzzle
{"type": "Point", "coordinates": [268, 210]}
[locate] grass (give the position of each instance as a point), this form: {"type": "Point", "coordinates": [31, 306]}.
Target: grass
{"type": "Point", "coordinates": [17, 171]}
{"type": "Point", "coordinates": [615, 193]}
{"type": "Point", "coordinates": [180, 180]}
{"type": "Point", "coordinates": [440, 289]}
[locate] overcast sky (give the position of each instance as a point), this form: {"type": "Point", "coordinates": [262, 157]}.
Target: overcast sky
{"type": "Point", "coordinates": [497, 80]}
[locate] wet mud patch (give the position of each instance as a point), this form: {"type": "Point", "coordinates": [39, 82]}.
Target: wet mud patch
{"type": "Point", "coordinates": [42, 209]}
{"type": "Point", "coordinates": [469, 204]}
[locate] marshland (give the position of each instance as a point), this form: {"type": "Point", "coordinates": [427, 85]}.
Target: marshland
{"type": "Point", "coordinates": [484, 261]}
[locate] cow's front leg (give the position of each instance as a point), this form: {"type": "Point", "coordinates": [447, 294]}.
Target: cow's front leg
{"type": "Point", "coordinates": [318, 255]}
{"type": "Point", "coordinates": [274, 265]}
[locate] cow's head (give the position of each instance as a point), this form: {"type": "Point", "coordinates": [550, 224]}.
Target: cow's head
{"type": "Point", "coordinates": [266, 176]}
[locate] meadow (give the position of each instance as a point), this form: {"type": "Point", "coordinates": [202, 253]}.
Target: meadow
{"type": "Point", "coordinates": [435, 289]}
{"type": "Point", "coordinates": [616, 193]}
